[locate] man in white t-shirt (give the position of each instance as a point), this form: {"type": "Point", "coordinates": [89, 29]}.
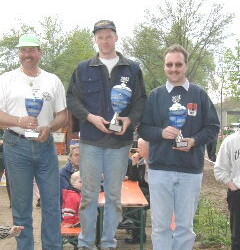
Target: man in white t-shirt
{"type": "Point", "coordinates": [28, 157]}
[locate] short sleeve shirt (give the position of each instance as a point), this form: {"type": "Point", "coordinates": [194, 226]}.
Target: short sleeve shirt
{"type": "Point", "coordinates": [15, 87]}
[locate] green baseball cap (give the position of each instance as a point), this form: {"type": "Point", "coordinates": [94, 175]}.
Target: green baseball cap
{"type": "Point", "coordinates": [28, 40]}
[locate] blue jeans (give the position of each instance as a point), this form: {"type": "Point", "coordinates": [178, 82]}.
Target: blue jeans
{"type": "Point", "coordinates": [178, 193]}
{"type": "Point", "coordinates": [96, 162]}
{"type": "Point", "coordinates": [25, 160]}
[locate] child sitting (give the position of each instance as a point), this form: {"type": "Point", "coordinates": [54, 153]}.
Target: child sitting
{"type": "Point", "coordinates": [71, 201]}
{"type": "Point", "coordinates": [7, 232]}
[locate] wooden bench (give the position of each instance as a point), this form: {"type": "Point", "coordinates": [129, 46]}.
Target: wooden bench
{"type": "Point", "coordinates": [131, 197]}
{"type": "Point", "coordinates": [70, 235]}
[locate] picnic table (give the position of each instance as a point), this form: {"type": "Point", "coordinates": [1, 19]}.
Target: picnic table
{"type": "Point", "coordinates": [131, 197]}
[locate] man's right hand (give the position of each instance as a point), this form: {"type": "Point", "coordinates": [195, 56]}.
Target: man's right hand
{"type": "Point", "coordinates": [27, 122]}
{"type": "Point", "coordinates": [99, 122]}
{"type": "Point", "coordinates": [170, 133]}
{"type": "Point", "coordinates": [232, 186]}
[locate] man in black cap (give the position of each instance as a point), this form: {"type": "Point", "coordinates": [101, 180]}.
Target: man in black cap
{"type": "Point", "coordinates": [104, 152]}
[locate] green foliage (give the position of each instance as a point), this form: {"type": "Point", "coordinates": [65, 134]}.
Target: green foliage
{"type": "Point", "coordinates": [232, 61]}
{"type": "Point", "coordinates": [79, 46]}
{"type": "Point", "coordinates": [211, 226]}
{"type": "Point", "coordinates": [146, 48]}
{"type": "Point", "coordinates": [61, 50]}
{"type": "Point", "coordinates": [8, 50]}
{"type": "Point", "coordinates": [53, 42]}
{"type": "Point", "coordinates": [200, 33]}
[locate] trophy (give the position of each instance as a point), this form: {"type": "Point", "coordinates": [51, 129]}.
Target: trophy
{"type": "Point", "coordinates": [177, 117]}
{"type": "Point", "coordinates": [33, 107]}
{"type": "Point", "coordinates": [120, 97]}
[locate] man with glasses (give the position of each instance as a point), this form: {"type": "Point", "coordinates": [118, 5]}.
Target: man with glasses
{"type": "Point", "coordinates": [175, 171]}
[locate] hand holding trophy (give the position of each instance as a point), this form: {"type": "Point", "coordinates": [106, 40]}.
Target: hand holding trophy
{"type": "Point", "coordinates": [33, 107]}
{"type": "Point", "coordinates": [177, 117]}
{"type": "Point", "coordinates": [120, 97]}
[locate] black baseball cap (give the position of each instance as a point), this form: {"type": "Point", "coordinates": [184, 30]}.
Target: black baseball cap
{"type": "Point", "coordinates": [104, 24]}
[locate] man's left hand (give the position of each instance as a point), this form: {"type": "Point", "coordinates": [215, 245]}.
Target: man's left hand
{"type": "Point", "coordinates": [190, 144]}
{"type": "Point", "coordinates": [44, 134]}
{"type": "Point", "coordinates": [125, 124]}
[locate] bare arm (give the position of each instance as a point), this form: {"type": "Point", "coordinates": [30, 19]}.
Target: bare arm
{"type": "Point", "coordinates": [59, 121]}
{"type": "Point", "coordinates": [25, 122]}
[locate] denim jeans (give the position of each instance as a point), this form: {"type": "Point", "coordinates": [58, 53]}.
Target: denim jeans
{"type": "Point", "coordinates": [178, 193]}
{"type": "Point", "coordinates": [25, 160]}
{"type": "Point", "coordinates": [96, 162]}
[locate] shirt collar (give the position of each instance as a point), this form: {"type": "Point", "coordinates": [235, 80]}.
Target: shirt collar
{"type": "Point", "coordinates": [170, 86]}
{"type": "Point", "coordinates": [95, 61]}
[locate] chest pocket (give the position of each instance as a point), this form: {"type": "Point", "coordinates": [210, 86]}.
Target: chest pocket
{"type": "Point", "coordinates": [92, 94]}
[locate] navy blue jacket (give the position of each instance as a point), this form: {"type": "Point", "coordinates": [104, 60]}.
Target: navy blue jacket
{"type": "Point", "coordinates": [203, 128]}
{"type": "Point", "coordinates": [89, 92]}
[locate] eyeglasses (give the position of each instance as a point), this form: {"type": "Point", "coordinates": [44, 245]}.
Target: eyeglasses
{"type": "Point", "coordinates": [177, 65]}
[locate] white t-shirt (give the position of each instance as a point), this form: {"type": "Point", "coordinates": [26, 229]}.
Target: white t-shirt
{"type": "Point", "coordinates": [15, 86]}
{"type": "Point", "coordinates": [110, 63]}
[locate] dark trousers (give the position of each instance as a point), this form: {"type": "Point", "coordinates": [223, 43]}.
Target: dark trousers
{"type": "Point", "coordinates": [233, 200]}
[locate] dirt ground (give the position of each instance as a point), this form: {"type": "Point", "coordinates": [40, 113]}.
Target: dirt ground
{"type": "Point", "coordinates": [214, 190]}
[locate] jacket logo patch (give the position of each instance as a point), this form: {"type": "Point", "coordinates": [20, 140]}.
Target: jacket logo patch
{"type": "Point", "coordinates": [124, 79]}
{"type": "Point", "coordinates": [192, 109]}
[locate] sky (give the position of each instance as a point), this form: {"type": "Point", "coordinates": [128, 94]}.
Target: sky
{"type": "Point", "coordinates": [125, 13]}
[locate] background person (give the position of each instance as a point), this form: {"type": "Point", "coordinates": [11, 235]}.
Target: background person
{"type": "Point", "coordinates": [102, 151]}
{"type": "Point", "coordinates": [26, 158]}
{"type": "Point", "coordinates": [226, 170]}
{"type": "Point", "coordinates": [138, 171]}
{"type": "Point", "coordinates": [71, 201]}
{"type": "Point", "coordinates": [71, 166]}
{"type": "Point", "coordinates": [175, 174]}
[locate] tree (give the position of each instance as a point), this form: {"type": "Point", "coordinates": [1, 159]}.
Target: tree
{"type": "Point", "coordinates": [61, 50]}
{"type": "Point", "coordinates": [183, 22]}
{"type": "Point", "coordinates": [8, 58]}
{"type": "Point", "coordinates": [232, 60]}
{"type": "Point", "coordinates": [53, 42]}
{"type": "Point", "coordinates": [79, 46]}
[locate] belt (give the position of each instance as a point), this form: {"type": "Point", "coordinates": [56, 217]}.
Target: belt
{"type": "Point", "coordinates": [16, 134]}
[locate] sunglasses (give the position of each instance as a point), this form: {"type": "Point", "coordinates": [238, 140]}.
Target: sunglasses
{"type": "Point", "coordinates": [177, 65]}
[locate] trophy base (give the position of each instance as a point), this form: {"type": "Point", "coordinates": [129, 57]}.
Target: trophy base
{"type": "Point", "coordinates": [180, 144]}
{"type": "Point", "coordinates": [31, 135]}
{"type": "Point", "coordinates": [115, 127]}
